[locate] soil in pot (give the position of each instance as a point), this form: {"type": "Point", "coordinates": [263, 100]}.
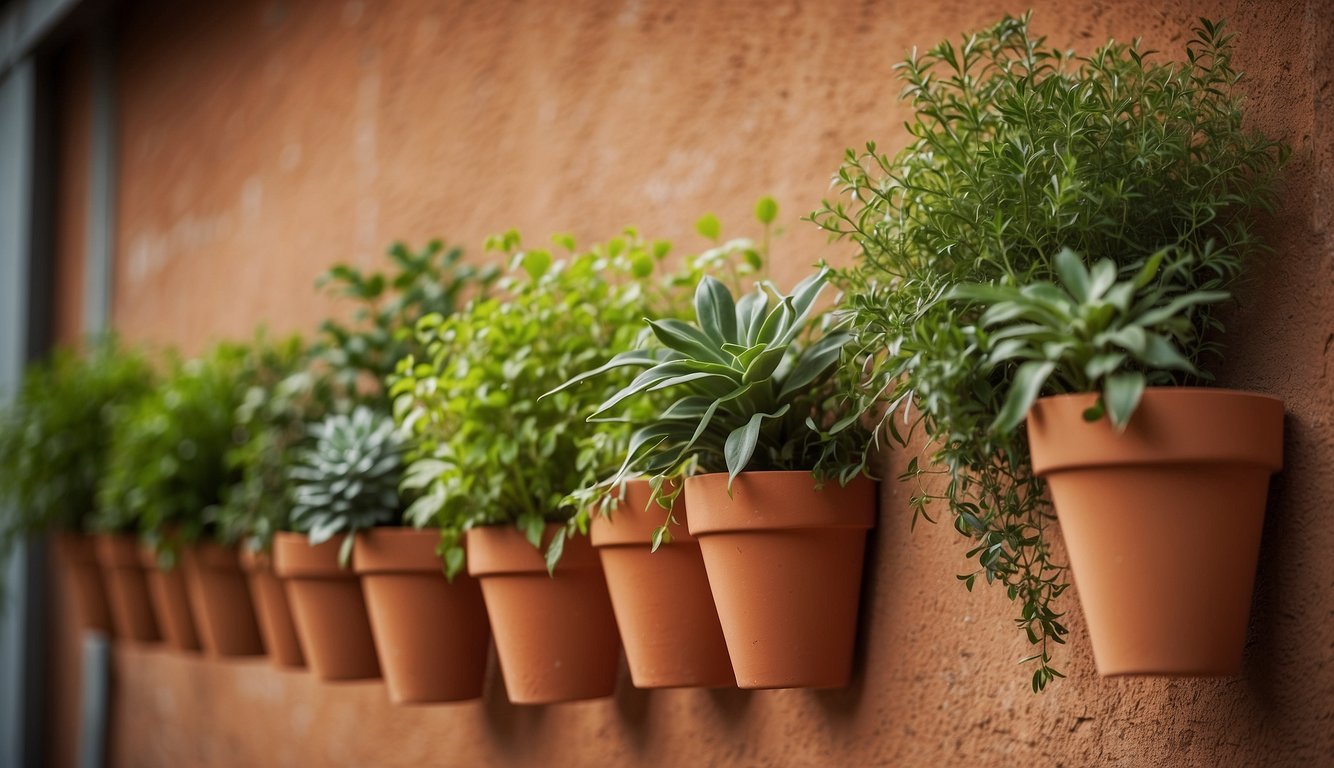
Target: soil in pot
{"type": "Point", "coordinates": [432, 635]}
{"type": "Point", "coordinates": [328, 608]}
{"type": "Point", "coordinates": [132, 615]}
{"type": "Point", "coordinates": [272, 610]}
{"type": "Point", "coordinates": [221, 599]}
{"type": "Point", "coordinates": [669, 625]}
{"type": "Point", "coordinates": [171, 603]}
{"type": "Point", "coordinates": [555, 634]}
{"type": "Point", "coordinates": [77, 555]}
{"type": "Point", "coordinates": [785, 566]}
{"type": "Point", "coordinates": [1162, 521]}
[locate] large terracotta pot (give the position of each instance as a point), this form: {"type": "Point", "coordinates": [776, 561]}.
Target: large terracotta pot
{"type": "Point", "coordinates": [221, 600]}
{"type": "Point", "coordinates": [127, 588]}
{"type": "Point", "coordinates": [77, 557]}
{"type": "Point", "coordinates": [669, 625]}
{"type": "Point", "coordinates": [1162, 521]}
{"type": "Point", "coordinates": [785, 565]}
{"type": "Point", "coordinates": [431, 634]}
{"type": "Point", "coordinates": [555, 634]}
{"type": "Point", "coordinates": [272, 610]}
{"type": "Point", "coordinates": [328, 608]}
{"type": "Point", "coordinates": [171, 602]}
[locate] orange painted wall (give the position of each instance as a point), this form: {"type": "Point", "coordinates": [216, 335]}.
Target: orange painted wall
{"type": "Point", "coordinates": [260, 141]}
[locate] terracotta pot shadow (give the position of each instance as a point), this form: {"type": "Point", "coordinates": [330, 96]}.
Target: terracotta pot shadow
{"type": "Point", "coordinates": [221, 599]}
{"type": "Point", "coordinates": [272, 610]}
{"type": "Point", "coordinates": [432, 635]}
{"type": "Point", "coordinates": [327, 607]}
{"type": "Point", "coordinates": [76, 555]}
{"type": "Point", "coordinates": [555, 634]}
{"type": "Point", "coordinates": [132, 613]}
{"type": "Point", "coordinates": [1162, 522]}
{"type": "Point", "coordinates": [664, 608]}
{"type": "Point", "coordinates": [785, 566]}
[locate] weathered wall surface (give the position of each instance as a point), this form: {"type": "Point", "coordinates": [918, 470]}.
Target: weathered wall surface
{"type": "Point", "coordinates": [262, 140]}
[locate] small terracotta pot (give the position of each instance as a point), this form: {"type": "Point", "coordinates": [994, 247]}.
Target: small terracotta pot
{"type": "Point", "coordinates": [127, 588]}
{"type": "Point", "coordinates": [785, 565]}
{"type": "Point", "coordinates": [171, 602]}
{"type": "Point", "coordinates": [663, 605]}
{"type": "Point", "coordinates": [431, 634]}
{"type": "Point", "coordinates": [328, 608]}
{"type": "Point", "coordinates": [272, 610]}
{"type": "Point", "coordinates": [555, 635]}
{"type": "Point", "coordinates": [221, 600]}
{"type": "Point", "coordinates": [1162, 521]}
{"type": "Point", "coordinates": [77, 556]}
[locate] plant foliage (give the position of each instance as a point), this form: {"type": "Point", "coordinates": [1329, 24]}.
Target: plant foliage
{"type": "Point", "coordinates": [1018, 151]}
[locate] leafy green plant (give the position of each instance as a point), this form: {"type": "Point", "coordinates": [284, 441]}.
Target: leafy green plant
{"type": "Point", "coordinates": [348, 480]}
{"type": "Point", "coordinates": [55, 435]}
{"type": "Point", "coordinates": [746, 391]}
{"type": "Point", "coordinates": [168, 467]}
{"type": "Point", "coordinates": [358, 356]}
{"type": "Point", "coordinates": [492, 450]}
{"type": "Point", "coordinates": [1019, 151]}
{"type": "Point", "coordinates": [282, 398]}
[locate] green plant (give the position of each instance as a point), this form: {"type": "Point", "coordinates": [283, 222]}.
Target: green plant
{"type": "Point", "coordinates": [168, 466]}
{"type": "Point", "coordinates": [745, 391]}
{"type": "Point", "coordinates": [283, 396]}
{"type": "Point", "coordinates": [347, 481]}
{"type": "Point", "coordinates": [1018, 151]}
{"type": "Point", "coordinates": [492, 450]}
{"type": "Point", "coordinates": [358, 356]}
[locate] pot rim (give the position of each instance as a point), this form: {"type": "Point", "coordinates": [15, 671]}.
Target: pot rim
{"type": "Point", "coordinates": [502, 549]}
{"type": "Point", "coordinates": [632, 524]}
{"type": "Point", "coordinates": [387, 549]}
{"type": "Point", "coordinates": [851, 506]}
{"type": "Point", "coordinates": [294, 557]}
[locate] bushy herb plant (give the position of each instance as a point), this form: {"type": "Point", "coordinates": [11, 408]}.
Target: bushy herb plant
{"type": "Point", "coordinates": [1018, 151]}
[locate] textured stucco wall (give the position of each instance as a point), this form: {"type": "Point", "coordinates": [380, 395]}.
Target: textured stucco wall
{"type": "Point", "coordinates": [261, 140]}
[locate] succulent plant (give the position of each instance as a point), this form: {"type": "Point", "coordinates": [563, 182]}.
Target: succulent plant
{"type": "Point", "coordinates": [348, 480]}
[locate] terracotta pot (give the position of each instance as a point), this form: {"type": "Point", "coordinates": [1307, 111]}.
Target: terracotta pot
{"type": "Point", "coordinates": [132, 614]}
{"type": "Point", "coordinates": [272, 610]}
{"type": "Point", "coordinates": [328, 608]}
{"type": "Point", "coordinates": [1162, 521]}
{"type": "Point", "coordinates": [171, 602]}
{"type": "Point", "coordinates": [77, 556]}
{"type": "Point", "coordinates": [221, 600]}
{"type": "Point", "coordinates": [555, 635]}
{"type": "Point", "coordinates": [431, 634]}
{"type": "Point", "coordinates": [663, 605]}
{"type": "Point", "coordinates": [785, 565]}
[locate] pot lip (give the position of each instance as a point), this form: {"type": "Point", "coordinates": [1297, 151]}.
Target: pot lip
{"type": "Point", "coordinates": [207, 553]}
{"type": "Point", "coordinates": [502, 549]}
{"type": "Point", "coordinates": [387, 549]}
{"type": "Point", "coordinates": [636, 525]}
{"type": "Point", "coordinates": [1251, 435]}
{"type": "Point", "coordinates": [294, 556]}
{"type": "Point", "coordinates": [733, 515]}
{"type": "Point", "coordinates": [118, 550]}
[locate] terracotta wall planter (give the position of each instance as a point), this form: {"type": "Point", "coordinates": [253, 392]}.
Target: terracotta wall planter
{"type": "Point", "coordinates": [171, 603]}
{"type": "Point", "coordinates": [127, 588]}
{"type": "Point", "coordinates": [1162, 522]}
{"type": "Point", "coordinates": [77, 557]}
{"type": "Point", "coordinates": [221, 599]}
{"type": "Point", "coordinates": [328, 608]}
{"type": "Point", "coordinates": [555, 635]}
{"type": "Point", "coordinates": [272, 610]}
{"type": "Point", "coordinates": [669, 625]}
{"type": "Point", "coordinates": [432, 635]}
{"type": "Point", "coordinates": [785, 565]}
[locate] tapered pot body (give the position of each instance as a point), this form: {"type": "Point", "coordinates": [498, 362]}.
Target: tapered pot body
{"type": "Point", "coordinates": [132, 615]}
{"type": "Point", "coordinates": [171, 603]}
{"type": "Point", "coordinates": [784, 561]}
{"type": "Point", "coordinates": [431, 634]}
{"type": "Point", "coordinates": [1162, 521]}
{"type": "Point", "coordinates": [76, 554]}
{"type": "Point", "coordinates": [664, 608]}
{"type": "Point", "coordinates": [328, 608]}
{"type": "Point", "coordinates": [555, 634]}
{"type": "Point", "coordinates": [272, 610]}
{"type": "Point", "coordinates": [221, 599]}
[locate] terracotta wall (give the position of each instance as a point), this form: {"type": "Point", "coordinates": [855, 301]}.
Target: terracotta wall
{"type": "Point", "coordinates": [260, 141]}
